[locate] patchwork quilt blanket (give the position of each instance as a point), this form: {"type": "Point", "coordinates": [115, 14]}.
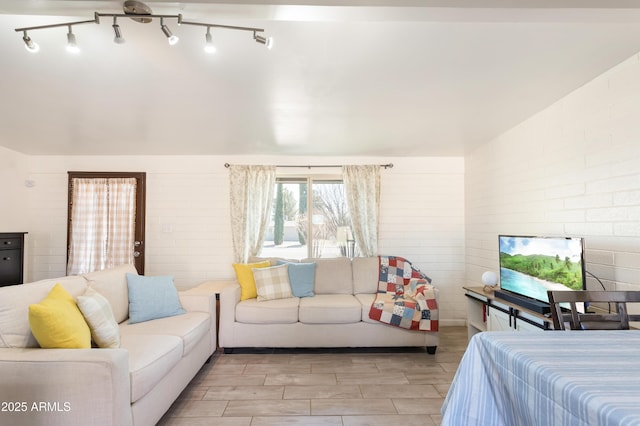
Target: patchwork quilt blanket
{"type": "Point", "coordinates": [405, 296]}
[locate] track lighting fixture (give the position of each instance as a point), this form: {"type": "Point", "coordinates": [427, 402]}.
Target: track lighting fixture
{"type": "Point", "coordinates": [267, 41]}
{"type": "Point", "coordinates": [140, 12]}
{"type": "Point", "coordinates": [72, 46]}
{"type": "Point", "coordinates": [118, 39]}
{"type": "Point", "coordinates": [173, 39]}
{"type": "Point", "coordinates": [208, 45]}
{"type": "Point", "coordinates": [29, 44]}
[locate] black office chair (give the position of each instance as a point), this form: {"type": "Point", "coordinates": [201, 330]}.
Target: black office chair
{"type": "Point", "coordinates": [618, 320]}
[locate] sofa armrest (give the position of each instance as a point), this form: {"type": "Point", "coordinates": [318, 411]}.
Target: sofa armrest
{"type": "Point", "coordinates": [64, 386]}
{"type": "Point", "coordinates": [198, 302]}
{"type": "Point", "coordinates": [202, 302]}
{"type": "Point", "coordinates": [229, 298]}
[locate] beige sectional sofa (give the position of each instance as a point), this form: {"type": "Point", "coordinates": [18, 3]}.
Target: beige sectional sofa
{"type": "Point", "coordinates": [336, 316]}
{"type": "Point", "coordinates": [134, 384]}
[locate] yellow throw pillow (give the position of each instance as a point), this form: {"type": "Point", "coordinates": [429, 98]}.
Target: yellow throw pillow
{"type": "Point", "coordinates": [244, 274]}
{"type": "Point", "coordinates": [56, 322]}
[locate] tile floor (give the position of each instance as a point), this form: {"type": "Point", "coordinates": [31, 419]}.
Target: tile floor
{"type": "Point", "coordinates": [320, 387]}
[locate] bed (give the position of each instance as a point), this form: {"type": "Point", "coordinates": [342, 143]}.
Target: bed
{"type": "Point", "coordinates": [547, 378]}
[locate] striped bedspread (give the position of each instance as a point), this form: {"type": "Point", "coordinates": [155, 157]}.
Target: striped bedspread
{"type": "Point", "coordinates": [547, 378]}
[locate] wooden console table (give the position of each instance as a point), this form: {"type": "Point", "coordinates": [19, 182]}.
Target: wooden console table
{"type": "Point", "coordinates": [485, 312]}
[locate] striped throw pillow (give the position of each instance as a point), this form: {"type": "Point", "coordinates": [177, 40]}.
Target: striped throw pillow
{"type": "Point", "coordinates": [272, 283]}
{"type": "Point", "coordinates": [98, 314]}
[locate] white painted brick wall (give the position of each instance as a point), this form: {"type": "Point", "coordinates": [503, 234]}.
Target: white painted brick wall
{"type": "Point", "coordinates": [188, 216]}
{"type": "Point", "coordinates": [422, 219]}
{"type": "Point", "coordinates": [12, 175]}
{"type": "Point", "coordinates": [46, 211]}
{"type": "Point", "coordinates": [573, 169]}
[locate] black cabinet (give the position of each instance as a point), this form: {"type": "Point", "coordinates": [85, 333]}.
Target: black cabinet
{"type": "Point", "coordinates": [11, 258]}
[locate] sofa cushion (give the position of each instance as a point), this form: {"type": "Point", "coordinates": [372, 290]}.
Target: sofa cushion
{"type": "Point", "coordinates": [97, 312]}
{"type": "Point", "coordinates": [333, 276]}
{"type": "Point", "coordinates": [190, 327]}
{"type": "Point", "coordinates": [151, 357]}
{"type": "Point", "coordinates": [244, 275]}
{"type": "Point", "coordinates": [57, 323]}
{"type": "Point", "coordinates": [15, 331]}
{"type": "Point", "coordinates": [366, 300]}
{"type": "Point", "coordinates": [330, 309]}
{"type": "Point", "coordinates": [365, 274]}
{"type": "Point", "coordinates": [302, 277]}
{"type": "Point", "coordinates": [112, 284]}
{"type": "Point", "coordinates": [152, 298]}
{"type": "Point", "coordinates": [280, 311]}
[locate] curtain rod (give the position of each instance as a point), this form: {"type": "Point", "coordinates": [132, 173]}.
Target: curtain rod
{"type": "Point", "coordinates": [385, 166]}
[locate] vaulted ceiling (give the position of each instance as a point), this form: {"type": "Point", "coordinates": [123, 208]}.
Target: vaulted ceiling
{"type": "Point", "coordinates": [401, 78]}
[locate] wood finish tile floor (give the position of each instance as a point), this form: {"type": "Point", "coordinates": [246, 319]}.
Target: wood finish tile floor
{"type": "Point", "coordinates": [322, 387]}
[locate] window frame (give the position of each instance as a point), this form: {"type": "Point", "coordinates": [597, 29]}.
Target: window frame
{"type": "Point", "coordinates": [308, 178]}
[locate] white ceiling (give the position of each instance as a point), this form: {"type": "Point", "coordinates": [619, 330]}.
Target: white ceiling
{"type": "Point", "coordinates": [378, 77]}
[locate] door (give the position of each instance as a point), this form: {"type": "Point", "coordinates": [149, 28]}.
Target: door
{"type": "Point", "coordinates": [106, 226]}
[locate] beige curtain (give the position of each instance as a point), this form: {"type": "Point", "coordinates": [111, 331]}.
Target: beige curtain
{"type": "Point", "coordinates": [362, 190]}
{"type": "Point", "coordinates": [103, 215]}
{"type": "Point", "coordinates": [251, 190]}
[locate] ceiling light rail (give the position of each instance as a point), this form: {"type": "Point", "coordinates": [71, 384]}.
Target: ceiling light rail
{"type": "Point", "coordinates": [139, 12]}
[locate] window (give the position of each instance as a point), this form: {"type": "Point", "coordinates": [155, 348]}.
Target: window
{"type": "Point", "coordinates": [303, 226]}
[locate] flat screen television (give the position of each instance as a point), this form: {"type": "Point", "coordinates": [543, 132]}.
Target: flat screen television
{"type": "Point", "coordinates": [529, 266]}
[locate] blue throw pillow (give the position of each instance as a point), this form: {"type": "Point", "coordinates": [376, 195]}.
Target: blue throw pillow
{"type": "Point", "coordinates": [152, 298]}
{"type": "Point", "coordinates": [302, 277]}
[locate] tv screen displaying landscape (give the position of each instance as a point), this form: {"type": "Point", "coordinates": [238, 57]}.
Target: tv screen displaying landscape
{"type": "Point", "coordinates": [532, 265]}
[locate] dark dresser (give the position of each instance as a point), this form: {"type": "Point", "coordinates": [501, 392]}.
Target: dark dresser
{"type": "Point", "coordinates": [11, 258]}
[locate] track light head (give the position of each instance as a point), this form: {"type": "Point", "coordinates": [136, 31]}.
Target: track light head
{"type": "Point", "coordinates": [72, 47]}
{"type": "Point", "coordinates": [267, 41]}
{"type": "Point", "coordinates": [29, 44]}
{"type": "Point", "coordinates": [118, 39]}
{"type": "Point", "coordinates": [173, 39]}
{"type": "Point", "coordinates": [208, 45]}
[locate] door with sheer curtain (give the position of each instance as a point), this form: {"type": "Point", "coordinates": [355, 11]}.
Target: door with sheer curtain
{"type": "Point", "coordinates": [106, 214]}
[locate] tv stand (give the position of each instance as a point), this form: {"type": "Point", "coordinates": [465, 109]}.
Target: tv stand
{"type": "Point", "coordinates": [525, 302]}
{"type": "Point", "coordinates": [486, 312]}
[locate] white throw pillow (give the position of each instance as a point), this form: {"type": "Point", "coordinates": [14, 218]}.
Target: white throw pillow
{"type": "Point", "coordinates": [272, 283]}
{"type": "Point", "coordinates": [97, 312]}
